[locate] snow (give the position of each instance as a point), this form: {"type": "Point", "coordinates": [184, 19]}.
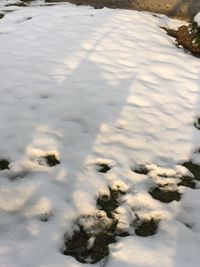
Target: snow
{"type": "Point", "coordinates": [94, 86]}
{"type": "Point", "coordinates": [197, 18]}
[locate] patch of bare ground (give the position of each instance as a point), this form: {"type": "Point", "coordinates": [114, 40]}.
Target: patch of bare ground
{"type": "Point", "coordinates": [92, 235]}
{"type": "Point", "coordinates": [4, 164]}
{"type": "Point", "coordinates": [165, 195]}
{"type": "Point", "coordinates": [185, 39]}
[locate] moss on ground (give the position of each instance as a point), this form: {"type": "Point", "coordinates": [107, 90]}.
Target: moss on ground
{"type": "Point", "coordinates": [193, 168]}
{"type": "Point", "coordinates": [165, 195]}
{"type": "Point", "coordinates": [147, 228]}
{"type": "Point", "coordinates": [110, 202]}
{"type": "Point", "coordinates": [187, 181]}
{"type": "Point", "coordinates": [90, 246]}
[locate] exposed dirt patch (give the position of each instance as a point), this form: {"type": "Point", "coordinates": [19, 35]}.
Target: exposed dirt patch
{"type": "Point", "coordinates": [90, 241]}
{"type": "Point", "coordinates": [103, 167]}
{"type": "Point", "coordinates": [4, 164]}
{"type": "Point", "coordinates": [50, 160]}
{"type": "Point", "coordinates": [1, 15]}
{"type": "Point", "coordinates": [93, 234]}
{"type": "Point", "coordinates": [188, 182]}
{"type": "Point", "coordinates": [147, 227]}
{"type": "Point", "coordinates": [184, 38]}
{"type": "Point", "coordinates": [193, 168]}
{"type": "Point", "coordinates": [90, 244]}
{"type": "Point", "coordinates": [174, 8]}
{"type": "Point", "coordinates": [141, 169]}
{"type": "Point", "coordinates": [110, 202]}
{"type": "Point", "coordinates": [76, 246]}
{"type": "Point", "coordinates": [165, 195]}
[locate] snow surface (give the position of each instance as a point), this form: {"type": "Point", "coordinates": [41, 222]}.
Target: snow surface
{"type": "Point", "coordinates": [197, 18]}
{"type": "Point", "coordinates": [94, 86]}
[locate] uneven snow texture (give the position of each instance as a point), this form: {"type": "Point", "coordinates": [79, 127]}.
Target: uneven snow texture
{"type": "Point", "coordinates": [197, 18]}
{"type": "Point", "coordinates": [94, 86]}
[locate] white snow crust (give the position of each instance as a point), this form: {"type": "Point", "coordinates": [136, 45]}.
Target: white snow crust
{"type": "Point", "coordinates": [94, 86]}
{"type": "Point", "coordinates": [197, 18]}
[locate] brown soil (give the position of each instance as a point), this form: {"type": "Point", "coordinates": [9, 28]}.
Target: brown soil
{"type": "Point", "coordinates": [183, 9]}
{"type": "Point", "coordinates": [184, 39]}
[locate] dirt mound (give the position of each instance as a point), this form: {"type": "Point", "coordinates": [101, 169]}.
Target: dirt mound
{"type": "Point", "coordinates": [184, 39]}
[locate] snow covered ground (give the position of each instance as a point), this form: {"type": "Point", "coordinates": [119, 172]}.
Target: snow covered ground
{"type": "Point", "coordinates": [197, 19]}
{"type": "Point", "coordinates": [95, 87]}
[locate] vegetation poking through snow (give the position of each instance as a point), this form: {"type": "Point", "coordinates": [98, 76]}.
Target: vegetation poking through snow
{"type": "Point", "coordinates": [110, 202]}
{"type": "Point", "coordinates": [89, 243]}
{"type": "Point", "coordinates": [4, 164]}
{"type": "Point", "coordinates": [165, 195]}
{"type": "Point", "coordinates": [89, 246]}
{"type": "Point", "coordinates": [187, 181]}
{"type": "Point", "coordinates": [50, 160]}
{"type": "Point", "coordinates": [185, 39]}
{"type": "Point", "coordinates": [141, 169]}
{"type": "Point", "coordinates": [195, 33]}
{"type": "Point", "coordinates": [193, 168]}
{"type": "Point", "coordinates": [195, 30]}
{"type": "Point", "coordinates": [146, 227]}
{"type": "Point", "coordinates": [103, 167]}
